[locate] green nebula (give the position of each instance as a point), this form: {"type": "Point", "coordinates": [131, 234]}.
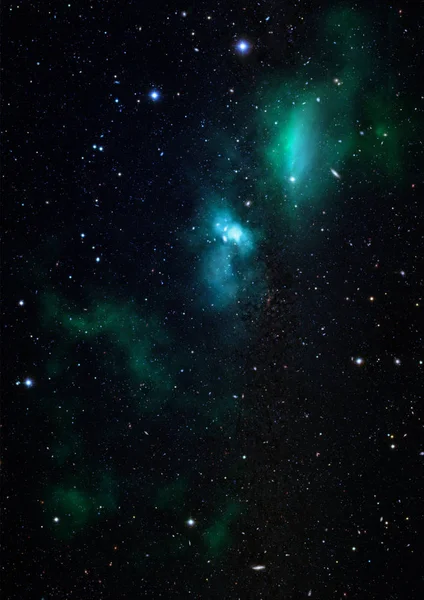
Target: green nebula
{"type": "Point", "coordinates": [73, 505]}
{"type": "Point", "coordinates": [307, 138]}
{"type": "Point", "coordinates": [328, 124]}
{"type": "Point", "coordinates": [217, 537]}
{"type": "Point", "coordinates": [130, 342]}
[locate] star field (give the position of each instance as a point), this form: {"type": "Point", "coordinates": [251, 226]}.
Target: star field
{"type": "Point", "coordinates": [212, 301]}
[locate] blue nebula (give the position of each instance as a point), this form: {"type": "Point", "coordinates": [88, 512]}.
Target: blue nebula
{"type": "Point", "coordinates": [232, 232]}
{"type": "Point", "coordinates": [227, 269]}
{"type": "Point", "coordinates": [235, 233]}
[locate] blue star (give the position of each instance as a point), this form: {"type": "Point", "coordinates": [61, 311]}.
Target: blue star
{"type": "Point", "coordinates": [243, 46]}
{"type": "Point", "coordinates": [28, 383]}
{"type": "Point", "coordinates": [154, 95]}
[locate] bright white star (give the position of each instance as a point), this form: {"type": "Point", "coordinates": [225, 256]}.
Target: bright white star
{"type": "Point", "coordinates": [243, 46]}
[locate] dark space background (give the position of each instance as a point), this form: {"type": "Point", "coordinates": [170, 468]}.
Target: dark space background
{"type": "Point", "coordinates": [212, 345]}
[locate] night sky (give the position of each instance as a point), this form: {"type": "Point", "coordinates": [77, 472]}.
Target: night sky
{"type": "Point", "coordinates": [212, 291]}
